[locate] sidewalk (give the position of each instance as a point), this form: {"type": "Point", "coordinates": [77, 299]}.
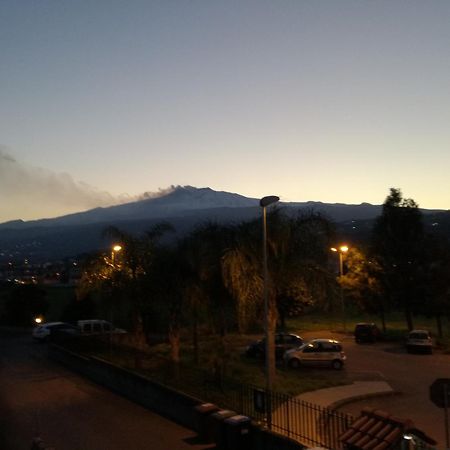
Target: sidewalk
{"type": "Point", "coordinates": [336, 396]}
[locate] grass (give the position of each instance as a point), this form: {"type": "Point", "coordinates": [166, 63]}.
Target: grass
{"type": "Point", "coordinates": [195, 378]}
{"type": "Point", "coordinates": [396, 327]}
{"type": "Point", "coordinates": [200, 379]}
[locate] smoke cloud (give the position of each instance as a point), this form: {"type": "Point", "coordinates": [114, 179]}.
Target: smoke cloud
{"type": "Point", "coordinates": [28, 192]}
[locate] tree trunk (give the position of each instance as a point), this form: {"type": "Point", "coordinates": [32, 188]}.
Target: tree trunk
{"type": "Point", "coordinates": [174, 341]}
{"type": "Point", "coordinates": [409, 318]}
{"type": "Point", "coordinates": [282, 318]}
{"type": "Point", "coordinates": [270, 357]}
{"type": "Point", "coordinates": [195, 336]}
{"type": "Point", "coordinates": [439, 325]}
{"type": "Point", "coordinates": [382, 317]}
{"type": "Point", "coordinates": [138, 332]}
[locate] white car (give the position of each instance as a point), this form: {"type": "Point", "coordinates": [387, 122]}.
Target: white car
{"type": "Point", "coordinates": [318, 352]}
{"type": "Point", "coordinates": [419, 340]}
{"type": "Point", "coordinates": [44, 331]}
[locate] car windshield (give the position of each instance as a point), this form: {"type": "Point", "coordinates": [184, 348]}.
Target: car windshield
{"type": "Point", "coordinates": [418, 336]}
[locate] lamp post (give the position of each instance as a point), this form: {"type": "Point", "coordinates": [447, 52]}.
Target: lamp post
{"type": "Point", "coordinates": [270, 356]}
{"type": "Point", "coordinates": [115, 249]}
{"type": "Point", "coordinates": [341, 251]}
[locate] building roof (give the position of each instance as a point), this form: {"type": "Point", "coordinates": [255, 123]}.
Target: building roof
{"type": "Point", "coordinates": [379, 430]}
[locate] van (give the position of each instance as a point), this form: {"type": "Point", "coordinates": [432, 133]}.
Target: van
{"type": "Point", "coordinates": [98, 326]}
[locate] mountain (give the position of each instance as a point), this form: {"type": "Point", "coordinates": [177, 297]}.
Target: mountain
{"type": "Point", "coordinates": [183, 206]}
{"type": "Point", "coordinates": [188, 200]}
{"type": "Point", "coordinates": [178, 201]}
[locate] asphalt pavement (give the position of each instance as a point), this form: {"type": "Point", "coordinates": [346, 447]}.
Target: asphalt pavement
{"type": "Point", "coordinates": [387, 366]}
{"type": "Point", "coordinates": [40, 398]}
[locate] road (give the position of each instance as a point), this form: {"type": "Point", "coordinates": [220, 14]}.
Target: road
{"type": "Point", "coordinates": [38, 397]}
{"type": "Point", "coordinates": [71, 413]}
{"type": "Point", "coordinates": [409, 374]}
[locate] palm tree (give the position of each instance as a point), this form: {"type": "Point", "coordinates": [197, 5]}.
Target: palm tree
{"type": "Point", "coordinates": [242, 273]}
{"type": "Point", "coordinates": [297, 256]}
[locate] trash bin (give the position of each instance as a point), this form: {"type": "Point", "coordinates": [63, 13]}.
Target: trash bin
{"type": "Point", "coordinates": [202, 412]}
{"type": "Point", "coordinates": [216, 427]}
{"type": "Point", "coordinates": [237, 433]}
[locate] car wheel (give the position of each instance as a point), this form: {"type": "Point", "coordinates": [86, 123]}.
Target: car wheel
{"type": "Point", "coordinates": [294, 363]}
{"type": "Point", "coordinates": [336, 364]}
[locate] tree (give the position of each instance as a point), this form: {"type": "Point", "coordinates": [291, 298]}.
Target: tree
{"type": "Point", "coordinates": [79, 308]}
{"type": "Point", "coordinates": [25, 303]}
{"type": "Point", "coordinates": [243, 273]}
{"type": "Point", "coordinates": [166, 289]}
{"type": "Point", "coordinates": [437, 279]}
{"type": "Point", "coordinates": [297, 257]}
{"type": "Point", "coordinates": [398, 247]}
{"type": "Point", "coordinates": [299, 262]}
{"type": "Point", "coordinates": [361, 283]}
{"type": "Point", "coordinates": [121, 278]}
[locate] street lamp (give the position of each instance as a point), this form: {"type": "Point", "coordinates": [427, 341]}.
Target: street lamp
{"type": "Point", "coordinates": [270, 363]}
{"type": "Point", "coordinates": [341, 251]}
{"type": "Point", "coordinates": [116, 249]}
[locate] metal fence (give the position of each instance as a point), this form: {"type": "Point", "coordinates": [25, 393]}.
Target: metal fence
{"type": "Point", "coordinates": [307, 423]}
{"type": "Point", "coordinates": [310, 424]}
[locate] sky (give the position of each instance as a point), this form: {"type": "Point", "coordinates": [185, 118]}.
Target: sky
{"type": "Point", "coordinates": [323, 100]}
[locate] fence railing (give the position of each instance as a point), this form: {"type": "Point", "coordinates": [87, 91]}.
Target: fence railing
{"type": "Point", "coordinates": [307, 423]}
{"type": "Point", "coordinates": [310, 424]}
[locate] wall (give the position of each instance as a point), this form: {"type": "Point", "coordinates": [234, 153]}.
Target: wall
{"type": "Point", "coordinates": [167, 402]}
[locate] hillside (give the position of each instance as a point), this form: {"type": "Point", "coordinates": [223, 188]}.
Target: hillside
{"type": "Point", "coordinates": [184, 207]}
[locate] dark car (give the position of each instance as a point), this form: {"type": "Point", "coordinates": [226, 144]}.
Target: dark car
{"type": "Point", "coordinates": [283, 342]}
{"type": "Point", "coordinates": [366, 332]}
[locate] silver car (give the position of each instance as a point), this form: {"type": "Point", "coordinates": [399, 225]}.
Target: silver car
{"type": "Point", "coordinates": [420, 341]}
{"type": "Point", "coordinates": [318, 352]}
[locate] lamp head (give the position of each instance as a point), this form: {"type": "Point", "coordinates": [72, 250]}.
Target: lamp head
{"type": "Point", "coordinates": [269, 200]}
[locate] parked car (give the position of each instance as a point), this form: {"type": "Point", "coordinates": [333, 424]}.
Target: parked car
{"type": "Point", "coordinates": [98, 326]}
{"type": "Point", "coordinates": [318, 352]}
{"type": "Point", "coordinates": [283, 342]}
{"type": "Point", "coordinates": [46, 331]}
{"type": "Point", "coordinates": [419, 341]}
{"type": "Point", "coordinates": [366, 332]}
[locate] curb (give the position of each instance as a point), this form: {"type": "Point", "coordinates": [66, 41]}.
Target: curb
{"type": "Point", "coordinates": [333, 398]}
{"type": "Point", "coordinates": [345, 401]}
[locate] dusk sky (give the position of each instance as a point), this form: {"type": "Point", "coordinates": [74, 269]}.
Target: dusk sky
{"type": "Point", "coordinates": [333, 101]}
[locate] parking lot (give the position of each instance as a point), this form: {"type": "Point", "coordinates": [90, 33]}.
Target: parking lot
{"type": "Point", "coordinates": [410, 375]}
